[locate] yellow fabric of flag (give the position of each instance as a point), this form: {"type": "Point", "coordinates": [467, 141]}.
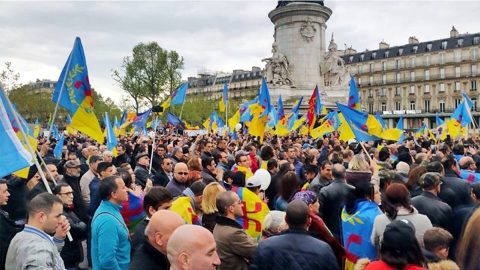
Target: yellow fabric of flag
{"type": "Point", "coordinates": [346, 132]}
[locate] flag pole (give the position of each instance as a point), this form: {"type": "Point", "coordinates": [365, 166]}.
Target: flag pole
{"type": "Point", "coordinates": [29, 148]}
{"type": "Point", "coordinates": [59, 97]}
{"type": "Point", "coordinates": [153, 146]}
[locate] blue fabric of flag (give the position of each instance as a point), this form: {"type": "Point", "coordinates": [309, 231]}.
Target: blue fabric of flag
{"type": "Point", "coordinates": [57, 151]}
{"type": "Point", "coordinates": [462, 114]}
{"type": "Point", "coordinates": [111, 139]}
{"type": "Point", "coordinates": [178, 97]}
{"type": "Point", "coordinates": [225, 94]}
{"type": "Point", "coordinates": [141, 119]}
{"type": "Point", "coordinates": [438, 120]}
{"type": "Point", "coordinates": [264, 98]}
{"type": "Point", "coordinates": [353, 96]}
{"type": "Point", "coordinates": [296, 106]}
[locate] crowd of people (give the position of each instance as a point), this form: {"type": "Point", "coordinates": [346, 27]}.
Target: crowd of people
{"type": "Point", "coordinates": [171, 201]}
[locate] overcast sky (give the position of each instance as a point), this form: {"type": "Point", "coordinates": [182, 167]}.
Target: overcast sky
{"type": "Point", "coordinates": [213, 35]}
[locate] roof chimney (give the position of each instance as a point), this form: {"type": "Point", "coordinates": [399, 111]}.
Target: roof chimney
{"type": "Point", "coordinates": [453, 32]}
{"type": "Point", "coordinates": [413, 40]}
{"type": "Point", "coordinates": [383, 45]}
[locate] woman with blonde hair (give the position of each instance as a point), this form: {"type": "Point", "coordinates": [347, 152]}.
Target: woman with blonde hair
{"type": "Point", "coordinates": [468, 249]}
{"type": "Point", "coordinates": [209, 205]}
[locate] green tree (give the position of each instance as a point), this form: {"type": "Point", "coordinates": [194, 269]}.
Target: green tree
{"type": "Point", "coordinates": [37, 103]}
{"type": "Point", "coordinates": [8, 77]}
{"type": "Point", "coordinates": [151, 73]}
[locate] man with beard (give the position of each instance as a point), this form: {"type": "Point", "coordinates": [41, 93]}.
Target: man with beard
{"type": "Point", "coordinates": [40, 186]}
{"type": "Point", "coordinates": [121, 157]}
{"type": "Point", "coordinates": [34, 247]}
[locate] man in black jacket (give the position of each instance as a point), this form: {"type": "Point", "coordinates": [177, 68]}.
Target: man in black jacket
{"type": "Point", "coordinates": [152, 254]}
{"type": "Point", "coordinates": [8, 228]}
{"type": "Point", "coordinates": [332, 198]}
{"type": "Point", "coordinates": [295, 249]}
{"type": "Point", "coordinates": [428, 203]}
{"type": "Point", "coordinates": [72, 178]}
{"type": "Point", "coordinates": [455, 191]}
{"type": "Point", "coordinates": [141, 170]}
{"type": "Point", "coordinates": [164, 174]}
{"type": "Point", "coordinates": [72, 252]}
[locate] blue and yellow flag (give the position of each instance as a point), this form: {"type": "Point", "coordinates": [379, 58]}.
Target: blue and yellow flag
{"type": "Point", "coordinates": [438, 120]}
{"type": "Point", "coordinates": [462, 114]}
{"type": "Point", "coordinates": [73, 92]}
{"type": "Point", "coordinates": [353, 96]}
{"type": "Point", "coordinates": [365, 126]}
{"type": "Point", "coordinates": [224, 100]}
{"type": "Point", "coordinates": [296, 106]}
{"type": "Point", "coordinates": [57, 151]}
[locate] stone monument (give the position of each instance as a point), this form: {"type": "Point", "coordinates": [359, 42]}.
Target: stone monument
{"type": "Point", "coordinates": [300, 59]}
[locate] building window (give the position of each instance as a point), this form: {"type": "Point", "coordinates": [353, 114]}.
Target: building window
{"type": "Point", "coordinates": [427, 60]}
{"type": "Point", "coordinates": [384, 106]}
{"type": "Point", "coordinates": [370, 80]}
{"type": "Point", "coordinates": [400, 51]}
{"type": "Point", "coordinates": [426, 105]}
{"type": "Point", "coordinates": [474, 53]}
{"type": "Point", "coordinates": [442, 73]}
{"type": "Point", "coordinates": [474, 101]}
{"type": "Point", "coordinates": [386, 54]}
{"type": "Point", "coordinates": [457, 102]}
{"type": "Point", "coordinates": [412, 62]}
{"type": "Point", "coordinates": [374, 55]}
{"type": "Point", "coordinates": [359, 81]}
{"type": "Point", "coordinates": [398, 105]}
{"type": "Point", "coordinates": [362, 56]}
{"type": "Point", "coordinates": [441, 88]}
{"type": "Point", "coordinates": [412, 76]}
{"type": "Point", "coordinates": [427, 88]}
{"type": "Point", "coordinates": [370, 93]}
{"type": "Point", "coordinates": [412, 104]}
{"type": "Point", "coordinates": [476, 40]}
{"type": "Point", "coordinates": [458, 56]}
{"type": "Point", "coordinates": [473, 85]}
{"type": "Point", "coordinates": [429, 47]}
{"type": "Point", "coordinates": [397, 63]}
{"type": "Point", "coordinates": [384, 65]}
{"type": "Point", "coordinates": [398, 77]}
{"type": "Point", "coordinates": [383, 92]}
{"type": "Point", "coordinates": [427, 74]}
{"type": "Point", "coordinates": [412, 90]}
{"type": "Point", "coordinates": [441, 105]}
{"type": "Point", "coordinates": [371, 67]}
{"type": "Point", "coordinates": [414, 49]}
{"type": "Point", "coordinates": [350, 59]}
{"type": "Point", "coordinates": [397, 91]}
{"type": "Point", "coordinates": [457, 86]}
{"type": "Point", "coordinates": [457, 72]}
{"type": "Point", "coordinates": [360, 69]}
{"type": "Point", "coordinates": [474, 70]}
{"type": "Point", "coordinates": [444, 45]}
{"type": "Point", "coordinates": [370, 108]}
{"type": "Point", "coordinates": [384, 79]}
{"type": "Point", "coordinates": [460, 42]}
{"type": "Point", "coordinates": [442, 58]}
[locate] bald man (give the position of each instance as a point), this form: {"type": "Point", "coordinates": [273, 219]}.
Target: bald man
{"type": "Point", "coordinates": [192, 247]}
{"type": "Point", "coordinates": [180, 178]}
{"type": "Point", "coordinates": [152, 254]}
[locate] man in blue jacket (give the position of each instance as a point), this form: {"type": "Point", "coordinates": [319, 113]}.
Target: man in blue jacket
{"type": "Point", "coordinates": [295, 249]}
{"type": "Point", "coordinates": [110, 238]}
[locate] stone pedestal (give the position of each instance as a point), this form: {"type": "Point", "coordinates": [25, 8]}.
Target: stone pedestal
{"type": "Point", "coordinates": [300, 36]}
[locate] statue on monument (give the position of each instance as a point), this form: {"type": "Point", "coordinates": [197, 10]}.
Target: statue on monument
{"type": "Point", "coordinates": [276, 69]}
{"type": "Point", "coordinates": [334, 70]}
